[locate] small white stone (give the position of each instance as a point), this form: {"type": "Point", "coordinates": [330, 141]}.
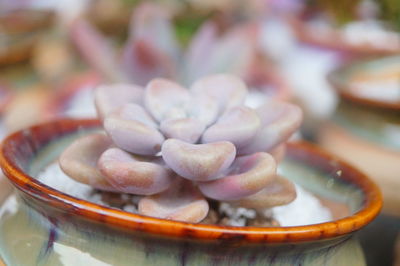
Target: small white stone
{"type": "Point", "coordinates": [305, 209]}
{"type": "Point", "coordinates": [130, 208]}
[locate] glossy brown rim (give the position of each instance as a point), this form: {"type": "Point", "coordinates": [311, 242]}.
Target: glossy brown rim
{"type": "Point", "coordinates": [335, 78]}
{"type": "Point", "coordinates": [38, 136]}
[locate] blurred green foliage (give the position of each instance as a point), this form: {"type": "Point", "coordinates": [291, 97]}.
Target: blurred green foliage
{"type": "Point", "coordinates": [343, 11]}
{"type": "Point", "coordinates": [390, 11]}
{"type": "Point", "coordinates": [187, 24]}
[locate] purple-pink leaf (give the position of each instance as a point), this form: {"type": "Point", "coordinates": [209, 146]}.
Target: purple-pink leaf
{"type": "Point", "coordinates": [133, 130]}
{"type": "Point", "coordinates": [181, 202]}
{"type": "Point", "coordinates": [134, 174]}
{"type": "Point", "coordinates": [96, 50]}
{"type": "Point", "coordinates": [199, 162]}
{"type": "Point", "coordinates": [279, 192]}
{"type": "Point", "coordinates": [204, 109]}
{"type": "Point", "coordinates": [279, 121]}
{"type": "Point", "coordinates": [79, 160]}
{"type": "Point", "coordinates": [237, 125]}
{"type": "Point", "coordinates": [247, 175]}
{"type": "Point", "coordinates": [142, 62]}
{"type": "Point", "coordinates": [186, 129]}
{"type": "Point", "coordinates": [228, 90]}
{"type": "Point", "coordinates": [166, 99]}
{"type": "Point", "coordinates": [109, 98]}
{"type": "Point", "coordinates": [198, 58]}
{"type": "Point", "coordinates": [152, 23]}
{"type": "Point", "coordinates": [233, 52]}
{"type": "Point", "coordinates": [278, 153]}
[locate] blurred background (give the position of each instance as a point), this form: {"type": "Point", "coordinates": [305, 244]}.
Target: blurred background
{"type": "Point", "coordinates": [339, 60]}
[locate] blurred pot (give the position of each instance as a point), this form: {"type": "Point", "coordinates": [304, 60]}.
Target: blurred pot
{"type": "Point", "coordinates": [19, 32]}
{"type": "Point", "coordinates": [365, 129]}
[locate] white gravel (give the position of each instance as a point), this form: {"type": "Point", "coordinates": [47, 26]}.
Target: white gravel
{"type": "Point", "coordinates": [306, 209]}
{"type": "Point", "coordinates": [54, 177]}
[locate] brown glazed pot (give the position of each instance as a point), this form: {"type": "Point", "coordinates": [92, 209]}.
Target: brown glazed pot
{"type": "Point", "coordinates": [42, 226]}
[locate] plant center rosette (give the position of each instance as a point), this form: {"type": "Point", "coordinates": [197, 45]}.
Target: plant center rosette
{"type": "Point", "coordinates": [180, 149]}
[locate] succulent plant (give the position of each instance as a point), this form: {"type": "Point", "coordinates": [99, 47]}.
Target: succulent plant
{"type": "Point", "coordinates": [178, 147]}
{"type": "Point", "coordinates": [153, 50]}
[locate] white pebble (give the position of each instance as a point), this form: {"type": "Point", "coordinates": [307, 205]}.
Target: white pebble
{"type": "Point", "coordinates": [305, 209]}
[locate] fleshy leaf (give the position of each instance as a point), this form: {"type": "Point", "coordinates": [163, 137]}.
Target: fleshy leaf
{"type": "Point", "coordinates": [228, 90]}
{"type": "Point", "coordinates": [186, 129]}
{"type": "Point", "coordinates": [109, 98]}
{"type": "Point", "coordinates": [199, 162]}
{"type": "Point", "coordinates": [233, 51]}
{"type": "Point", "coordinates": [79, 160]}
{"type": "Point", "coordinates": [166, 99]}
{"type": "Point", "coordinates": [278, 153]}
{"type": "Point", "coordinates": [142, 62]}
{"type": "Point", "coordinates": [152, 23]}
{"type": "Point", "coordinates": [132, 174]}
{"type": "Point", "coordinates": [133, 130]}
{"type": "Point", "coordinates": [237, 125]}
{"type": "Point", "coordinates": [204, 109]}
{"type": "Point", "coordinates": [96, 50]}
{"type": "Point", "coordinates": [279, 192]}
{"type": "Point", "coordinates": [181, 202]}
{"type": "Point", "coordinates": [279, 121]}
{"type": "Point", "coordinates": [197, 62]}
{"type": "Point", "coordinates": [247, 175]}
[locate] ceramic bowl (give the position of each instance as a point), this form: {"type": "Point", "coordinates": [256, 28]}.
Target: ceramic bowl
{"type": "Point", "coordinates": [42, 226]}
{"type": "Point", "coordinates": [365, 129]}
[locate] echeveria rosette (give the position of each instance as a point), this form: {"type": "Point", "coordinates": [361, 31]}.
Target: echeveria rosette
{"type": "Point", "coordinates": [177, 146]}
{"type": "Point", "coordinates": [152, 49]}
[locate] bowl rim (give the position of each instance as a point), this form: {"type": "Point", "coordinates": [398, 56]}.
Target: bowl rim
{"type": "Point", "coordinates": [130, 221]}
{"type": "Point", "coordinates": [336, 76]}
